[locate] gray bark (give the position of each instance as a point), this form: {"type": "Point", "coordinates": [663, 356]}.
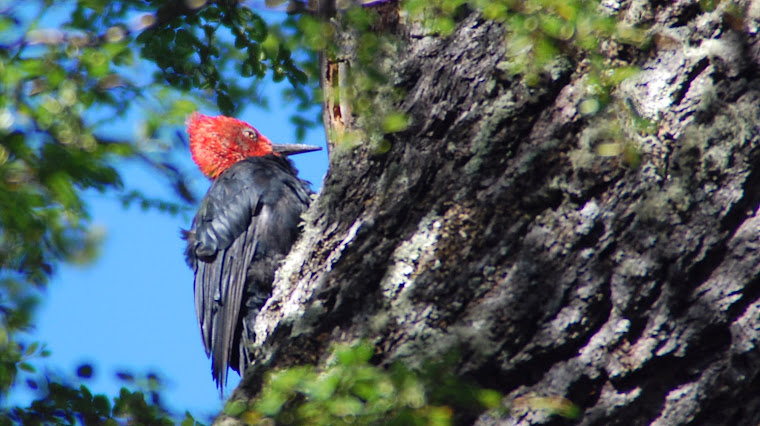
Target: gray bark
{"type": "Point", "coordinates": [493, 227]}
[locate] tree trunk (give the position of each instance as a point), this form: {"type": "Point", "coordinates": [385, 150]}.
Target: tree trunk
{"type": "Point", "coordinates": [492, 226]}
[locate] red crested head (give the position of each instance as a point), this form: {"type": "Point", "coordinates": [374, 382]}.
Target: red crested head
{"type": "Point", "coordinates": [216, 143]}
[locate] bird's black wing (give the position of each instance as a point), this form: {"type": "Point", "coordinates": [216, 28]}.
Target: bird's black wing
{"type": "Point", "coordinates": [246, 223]}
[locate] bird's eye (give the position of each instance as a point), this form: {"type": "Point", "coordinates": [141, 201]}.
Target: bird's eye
{"type": "Point", "coordinates": [250, 134]}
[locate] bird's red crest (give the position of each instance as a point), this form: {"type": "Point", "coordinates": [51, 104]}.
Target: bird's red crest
{"type": "Point", "coordinates": [216, 143]}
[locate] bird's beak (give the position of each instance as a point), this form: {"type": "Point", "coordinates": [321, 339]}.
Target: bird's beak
{"type": "Point", "coordinates": [294, 148]}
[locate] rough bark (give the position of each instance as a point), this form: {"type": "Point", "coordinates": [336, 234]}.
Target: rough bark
{"type": "Point", "coordinates": [493, 227]}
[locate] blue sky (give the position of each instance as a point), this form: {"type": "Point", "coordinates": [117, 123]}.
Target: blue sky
{"type": "Point", "coordinates": [132, 309]}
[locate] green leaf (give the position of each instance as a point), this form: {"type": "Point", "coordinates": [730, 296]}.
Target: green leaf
{"type": "Point", "coordinates": [395, 122]}
{"type": "Point", "coordinates": [25, 366]}
{"type": "Point", "coordinates": [31, 349]}
{"type": "Point", "coordinates": [235, 408]}
{"type": "Point", "coordinates": [101, 404]}
{"type": "Point", "coordinates": [32, 67]}
{"type": "Point", "coordinates": [85, 371]}
{"type": "Point", "coordinates": [270, 403]}
{"type": "Point", "coordinates": [125, 376]}
{"type": "Point", "coordinates": [270, 46]}
{"type": "Point", "coordinates": [212, 14]}
{"type": "Point", "coordinates": [345, 406]}
{"type": "Point", "coordinates": [246, 69]}
{"type": "Point", "coordinates": [185, 38]}
{"type": "Point", "coordinates": [257, 28]}
{"type": "Point", "coordinates": [489, 398]}
{"type": "Point", "coordinates": [240, 41]}
{"type": "Point", "coordinates": [225, 104]}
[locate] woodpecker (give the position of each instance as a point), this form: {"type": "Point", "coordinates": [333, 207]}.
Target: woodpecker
{"type": "Point", "coordinates": [246, 224]}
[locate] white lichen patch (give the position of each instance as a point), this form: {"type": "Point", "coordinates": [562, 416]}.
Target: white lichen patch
{"type": "Point", "coordinates": [398, 281]}
{"type": "Point", "coordinates": [593, 354]}
{"type": "Point", "coordinates": [288, 304]}
{"type": "Point", "coordinates": [681, 405]}
{"type": "Point", "coordinates": [587, 217]}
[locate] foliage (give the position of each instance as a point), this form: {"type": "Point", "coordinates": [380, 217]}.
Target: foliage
{"type": "Point", "coordinates": [63, 402]}
{"type": "Point", "coordinates": [56, 90]}
{"type": "Point", "coordinates": [349, 389]}
{"type": "Point", "coordinates": [211, 45]}
{"type": "Point", "coordinates": [541, 36]}
{"type": "Point", "coordinates": [358, 38]}
{"type": "Point", "coordinates": [540, 31]}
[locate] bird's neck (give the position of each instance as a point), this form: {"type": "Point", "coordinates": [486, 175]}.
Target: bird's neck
{"type": "Point", "coordinates": [214, 169]}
